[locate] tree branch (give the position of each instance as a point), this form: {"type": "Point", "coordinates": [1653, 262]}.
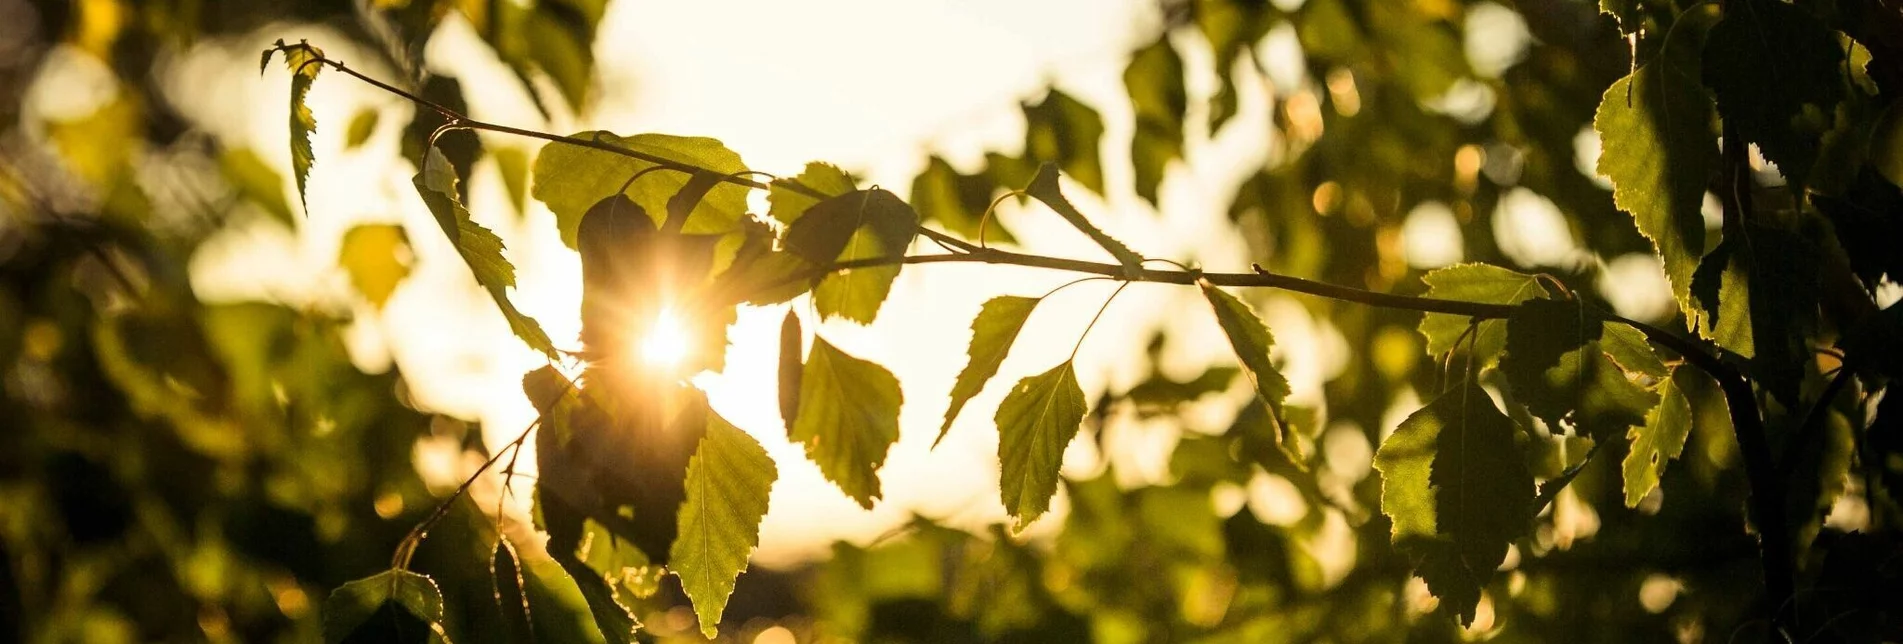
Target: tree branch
{"type": "Point", "coordinates": [1767, 496]}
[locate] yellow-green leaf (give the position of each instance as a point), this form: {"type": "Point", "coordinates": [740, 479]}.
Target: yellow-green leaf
{"type": "Point", "coordinates": [1658, 441]}
{"type": "Point", "coordinates": [848, 420]}
{"type": "Point", "coordinates": [992, 333]}
{"type": "Point", "coordinates": [571, 178]}
{"type": "Point", "coordinates": [361, 127]}
{"type": "Point", "coordinates": [377, 258]}
{"type": "Point", "coordinates": [728, 484]}
{"type": "Point", "coordinates": [1252, 341]}
{"type": "Point", "coordinates": [1036, 421]}
{"type": "Point", "coordinates": [1484, 283]}
{"type": "Point", "coordinates": [786, 202]}
{"type": "Point", "coordinates": [480, 248]}
{"type": "Point", "coordinates": [302, 61]}
{"type": "Point", "coordinates": [390, 606]}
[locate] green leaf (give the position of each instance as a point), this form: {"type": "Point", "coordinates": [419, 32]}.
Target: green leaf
{"type": "Point", "coordinates": [1458, 491]}
{"type": "Point", "coordinates": [1044, 188]}
{"type": "Point", "coordinates": [571, 178]}
{"type": "Point", "coordinates": [301, 59]}
{"type": "Point", "coordinates": [376, 257]}
{"type": "Point", "coordinates": [480, 249]}
{"type": "Point", "coordinates": [1628, 347]}
{"type": "Point", "coordinates": [1252, 342]}
{"type": "Point", "coordinates": [849, 418]}
{"type": "Point", "coordinates": [787, 203]}
{"type": "Point", "coordinates": [1658, 441]}
{"type": "Point", "coordinates": [361, 127]}
{"type": "Point", "coordinates": [992, 333]}
{"type": "Point", "coordinates": [513, 164]}
{"type": "Point", "coordinates": [1659, 150]}
{"type": "Point", "coordinates": [565, 525]}
{"type": "Point", "coordinates": [1777, 73]}
{"type": "Point", "coordinates": [1483, 283]}
{"type": "Point", "coordinates": [859, 225]}
{"type": "Point", "coordinates": [728, 484]}
{"type": "Point", "coordinates": [1231, 27]}
{"type": "Point", "coordinates": [390, 606]}
{"type": "Point", "coordinates": [1555, 366]}
{"type": "Point", "coordinates": [257, 181]}
{"type": "Point", "coordinates": [792, 368]}
{"type": "Point", "coordinates": [1036, 422]}
{"type": "Point", "coordinates": [957, 201]}
{"type": "Point", "coordinates": [1155, 83]}
{"type": "Point", "coordinates": [1064, 131]}
{"type": "Point", "coordinates": [1760, 292]}
{"type": "Point", "coordinates": [857, 293]}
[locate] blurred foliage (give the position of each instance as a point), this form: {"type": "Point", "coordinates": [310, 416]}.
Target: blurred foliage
{"type": "Point", "coordinates": [175, 470]}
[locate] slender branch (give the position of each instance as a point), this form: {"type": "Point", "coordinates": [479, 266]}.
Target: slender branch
{"type": "Point", "coordinates": [1766, 489]}
{"type": "Point", "coordinates": [1760, 469]}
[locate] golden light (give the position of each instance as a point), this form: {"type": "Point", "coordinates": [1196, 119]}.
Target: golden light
{"type": "Point", "coordinates": [667, 341]}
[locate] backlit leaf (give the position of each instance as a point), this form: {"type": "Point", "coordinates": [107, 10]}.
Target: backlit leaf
{"type": "Point", "coordinates": [728, 484]}
{"type": "Point", "coordinates": [1064, 131]}
{"type": "Point", "coordinates": [992, 333]}
{"type": "Point", "coordinates": [1155, 82]}
{"type": "Point", "coordinates": [376, 257]}
{"type": "Point", "coordinates": [1036, 421]}
{"type": "Point", "coordinates": [480, 248]}
{"type": "Point", "coordinates": [787, 203]}
{"type": "Point", "coordinates": [1484, 283]}
{"type": "Point", "coordinates": [1252, 341]}
{"type": "Point", "coordinates": [361, 127]}
{"type": "Point", "coordinates": [957, 201]}
{"type": "Point", "coordinates": [571, 178]}
{"type": "Point", "coordinates": [859, 225]}
{"type": "Point", "coordinates": [1658, 441]}
{"type": "Point", "coordinates": [1555, 366]}
{"type": "Point", "coordinates": [1457, 490]}
{"type": "Point", "coordinates": [302, 61]}
{"type": "Point", "coordinates": [1044, 187]}
{"type": "Point", "coordinates": [390, 606]}
{"type": "Point", "coordinates": [848, 420]}
{"type": "Point", "coordinates": [1659, 150]}
{"type": "Point", "coordinates": [792, 369]}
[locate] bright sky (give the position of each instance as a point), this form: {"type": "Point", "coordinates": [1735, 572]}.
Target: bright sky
{"type": "Point", "coordinates": [872, 86]}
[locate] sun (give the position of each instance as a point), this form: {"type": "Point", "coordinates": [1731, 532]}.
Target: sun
{"type": "Point", "coordinates": [667, 341]}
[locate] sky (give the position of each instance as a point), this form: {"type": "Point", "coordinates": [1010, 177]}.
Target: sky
{"type": "Point", "coordinates": [874, 87]}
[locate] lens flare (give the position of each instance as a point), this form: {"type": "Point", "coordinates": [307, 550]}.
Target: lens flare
{"type": "Point", "coordinates": [667, 341]}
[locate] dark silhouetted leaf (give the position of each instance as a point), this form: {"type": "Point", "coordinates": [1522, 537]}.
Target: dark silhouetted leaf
{"type": "Point", "coordinates": [1044, 187]}
{"type": "Point", "coordinates": [957, 201]}
{"type": "Point", "coordinates": [1777, 73]}
{"type": "Point", "coordinates": [1555, 366]}
{"type": "Point", "coordinates": [860, 225]}
{"type": "Point", "coordinates": [792, 369]}
{"type": "Point", "coordinates": [1066, 132]}
{"type": "Point", "coordinates": [390, 606]}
